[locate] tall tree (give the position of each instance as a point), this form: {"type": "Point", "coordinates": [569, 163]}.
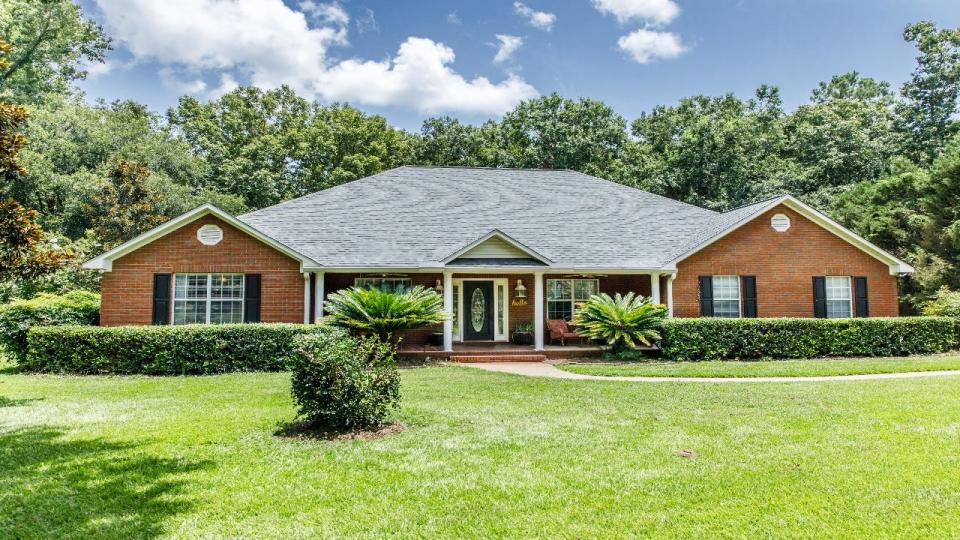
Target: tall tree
{"type": "Point", "coordinates": [269, 146]}
{"type": "Point", "coordinates": [718, 152]}
{"type": "Point", "coordinates": [557, 133]}
{"type": "Point", "coordinates": [22, 250]}
{"type": "Point", "coordinates": [447, 141]}
{"type": "Point", "coordinates": [124, 205]}
{"type": "Point", "coordinates": [52, 41]}
{"type": "Point", "coordinates": [843, 136]}
{"type": "Point", "coordinates": [930, 97]}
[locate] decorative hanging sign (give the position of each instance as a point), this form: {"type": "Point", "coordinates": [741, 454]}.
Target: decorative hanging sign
{"type": "Point", "coordinates": [518, 302]}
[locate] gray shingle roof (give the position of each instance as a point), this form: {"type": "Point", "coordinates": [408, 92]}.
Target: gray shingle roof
{"type": "Point", "coordinates": [415, 216]}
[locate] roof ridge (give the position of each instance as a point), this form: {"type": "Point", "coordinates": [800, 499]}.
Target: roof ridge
{"type": "Point", "coordinates": [657, 195]}
{"type": "Point", "coordinates": [761, 201]}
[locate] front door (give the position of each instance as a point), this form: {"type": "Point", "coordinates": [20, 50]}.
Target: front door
{"type": "Point", "coordinates": [478, 310]}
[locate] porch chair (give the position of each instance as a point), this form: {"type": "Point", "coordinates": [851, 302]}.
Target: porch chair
{"type": "Point", "coordinates": [559, 329]}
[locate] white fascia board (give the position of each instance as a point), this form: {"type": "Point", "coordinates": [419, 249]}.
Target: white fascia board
{"type": "Point", "coordinates": [104, 262]}
{"type": "Point", "coordinates": [503, 236]}
{"type": "Point", "coordinates": [895, 265]}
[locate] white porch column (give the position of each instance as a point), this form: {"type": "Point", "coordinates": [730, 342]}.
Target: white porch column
{"type": "Point", "coordinates": [306, 298]}
{"type": "Point", "coordinates": [670, 295]}
{"type": "Point", "coordinates": [538, 311]}
{"type": "Point", "coordinates": [448, 307]}
{"type": "Point", "coordinates": [655, 288]}
{"type": "Point", "coordinates": [319, 294]}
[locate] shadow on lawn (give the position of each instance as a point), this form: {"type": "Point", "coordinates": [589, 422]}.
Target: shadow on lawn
{"type": "Point", "coordinates": [53, 487]}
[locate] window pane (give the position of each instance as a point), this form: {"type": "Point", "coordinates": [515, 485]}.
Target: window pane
{"type": "Point", "coordinates": [726, 296]}
{"type": "Point", "coordinates": [584, 288]}
{"type": "Point", "coordinates": [838, 297]}
{"type": "Point", "coordinates": [559, 309]}
{"type": "Point", "coordinates": [559, 289]}
{"type": "Point", "coordinates": [500, 301]}
{"type": "Point", "coordinates": [226, 286]}
{"type": "Point", "coordinates": [190, 286]}
{"type": "Point", "coordinates": [456, 310]}
{"type": "Point", "coordinates": [726, 308]}
{"type": "Point", "coordinates": [226, 311]}
{"type": "Point", "coordinates": [189, 312]}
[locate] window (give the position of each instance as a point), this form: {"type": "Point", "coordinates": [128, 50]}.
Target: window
{"type": "Point", "coordinates": [456, 311]}
{"type": "Point", "coordinates": [389, 284]}
{"type": "Point", "coordinates": [207, 298]}
{"type": "Point", "coordinates": [565, 295]}
{"type": "Point", "coordinates": [726, 296]}
{"type": "Point", "coordinates": [838, 297]}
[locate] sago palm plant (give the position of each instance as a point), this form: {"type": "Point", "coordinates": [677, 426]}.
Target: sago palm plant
{"type": "Point", "coordinates": [382, 312]}
{"type": "Point", "coordinates": [623, 321]}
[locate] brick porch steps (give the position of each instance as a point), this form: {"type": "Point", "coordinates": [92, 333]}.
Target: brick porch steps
{"type": "Point", "coordinates": [493, 357]}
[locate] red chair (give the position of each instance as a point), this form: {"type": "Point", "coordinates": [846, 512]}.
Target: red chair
{"type": "Point", "coordinates": [559, 329]}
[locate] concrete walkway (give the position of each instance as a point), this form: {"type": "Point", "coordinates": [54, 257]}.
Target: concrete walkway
{"type": "Point", "coordinates": [543, 369]}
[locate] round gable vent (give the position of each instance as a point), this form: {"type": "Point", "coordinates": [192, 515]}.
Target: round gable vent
{"type": "Point", "coordinates": [780, 222]}
{"type": "Point", "coordinates": [209, 235]}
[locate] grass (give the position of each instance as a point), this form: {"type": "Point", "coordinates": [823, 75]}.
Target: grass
{"type": "Point", "coordinates": [768, 368]}
{"type": "Point", "coordinates": [481, 455]}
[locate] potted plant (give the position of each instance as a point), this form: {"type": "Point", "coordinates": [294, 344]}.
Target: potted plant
{"type": "Point", "coordinates": [523, 333]}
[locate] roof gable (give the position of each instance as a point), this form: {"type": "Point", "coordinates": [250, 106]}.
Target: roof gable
{"type": "Point", "coordinates": [495, 245]}
{"type": "Point", "coordinates": [104, 262]}
{"type": "Point", "coordinates": [730, 221]}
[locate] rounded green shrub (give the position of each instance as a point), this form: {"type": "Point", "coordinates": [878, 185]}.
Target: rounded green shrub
{"type": "Point", "coordinates": [344, 381]}
{"type": "Point", "coordinates": [19, 316]}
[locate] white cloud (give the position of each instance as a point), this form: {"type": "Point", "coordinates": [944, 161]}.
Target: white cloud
{"type": "Point", "coordinates": [174, 81]}
{"type": "Point", "coordinates": [227, 84]}
{"type": "Point", "coordinates": [508, 45]}
{"type": "Point", "coordinates": [537, 19]}
{"type": "Point", "coordinates": [453, 18]}
{"type": "Point", "coordinates": [419, 77]}
{"type": "Point", "coordinates": [657, 12]}
{"type": "Point", "coordinates": [332, 13]}
{"type": "Point", "coordinates": [269, 44]}
{"type": "Point", "coordinates": [367, 22]}
{"type": "Point", "coordinates": [644, 45]}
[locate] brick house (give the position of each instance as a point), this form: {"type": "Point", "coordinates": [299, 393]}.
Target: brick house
{"type": "Point", "coordinates": [504, 246]}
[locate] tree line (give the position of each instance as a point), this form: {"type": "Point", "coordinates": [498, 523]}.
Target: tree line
{"type": "Point", "coordinates": [81, 177]}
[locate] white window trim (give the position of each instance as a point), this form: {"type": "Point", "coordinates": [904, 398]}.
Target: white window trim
{"type": "Point", "coordinates": [497, 336]}
{"type": "Point", "coordinates": [208, 300]}
{"type": "Point", "coordinates": [573, 288]}
{"type": "Point", "coordinates": [739, 295]}
{"type": "Point", "coordinates": [850, 292]}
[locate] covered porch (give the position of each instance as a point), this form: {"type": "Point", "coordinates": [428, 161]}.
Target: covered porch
{"type": "Point", "coordinates": [502, 309]}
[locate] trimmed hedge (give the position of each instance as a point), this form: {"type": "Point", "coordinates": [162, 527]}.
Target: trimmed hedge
{"type": "Point", "coordinates": [19, 316]}
{"type": "Point", "coordinates": [163, 350]}
{"type": "Point", "coordinates": [745, 339]}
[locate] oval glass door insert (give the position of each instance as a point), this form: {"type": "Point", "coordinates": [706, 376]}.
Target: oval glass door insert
{"type": "Point", "coordinates": [478, 310]}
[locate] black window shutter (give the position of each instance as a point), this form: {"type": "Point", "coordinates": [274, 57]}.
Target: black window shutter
{"type": "Point", "coordinates": [251, 298]}
{"type": "Point", "coordinates": [706, 296]}
{"type": "Point", "coordinates": [161, 299]}
{"type": "Point", "coordinates": [749, 285]}
{"type": "Point", "coordinates": [861, 303]}
{"type": "Point", "coordinates": [313, 298]}
{"type": "Point", "coordinates": [820, 297]}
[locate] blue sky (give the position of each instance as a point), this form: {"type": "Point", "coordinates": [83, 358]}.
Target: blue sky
{"type": "Point", "coordinates": [409, 60]}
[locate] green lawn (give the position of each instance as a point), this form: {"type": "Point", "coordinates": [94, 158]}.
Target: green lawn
{"type": "Point", "coordinates": [768, 368]}
{"type": "Point", "coordinates": [482, 455]}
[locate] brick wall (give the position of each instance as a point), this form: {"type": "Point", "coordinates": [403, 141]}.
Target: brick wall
{"type": "Point", "coordinates": [784, 264]}
{"type": "Point", "coordinates": [128, 289]}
